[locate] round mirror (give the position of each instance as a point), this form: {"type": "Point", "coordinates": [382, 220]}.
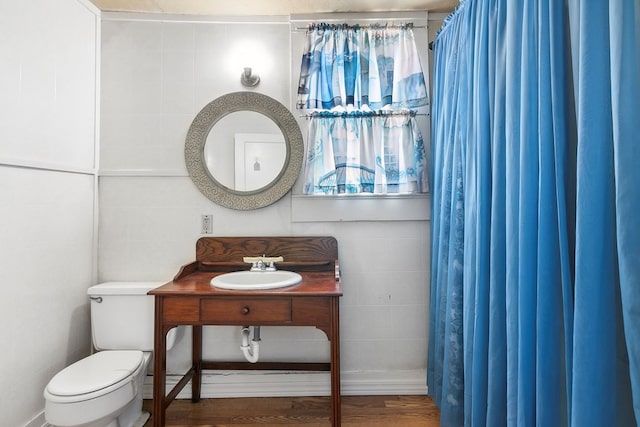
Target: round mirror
{"type": "Point", "coordinates": [244, 150]}
{"type": "Point", "coordinates": [245, 158]}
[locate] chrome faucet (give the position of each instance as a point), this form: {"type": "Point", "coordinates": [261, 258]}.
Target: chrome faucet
{"type": "Point", "coordinates": [263, 263]}
{"type": "Point", "coordinates": [259, 265]}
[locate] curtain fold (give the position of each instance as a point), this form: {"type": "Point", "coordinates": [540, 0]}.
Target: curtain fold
{"type": "Point", "coordinates": [607, 71]}
{"type": "Point", "coordinates": [535, 257]}
{"type": "Point", "coordinates": [625, 88]}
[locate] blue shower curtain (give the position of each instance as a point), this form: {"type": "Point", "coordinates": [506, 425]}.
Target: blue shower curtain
{"type": "Point", "coordinates": [535, 258]}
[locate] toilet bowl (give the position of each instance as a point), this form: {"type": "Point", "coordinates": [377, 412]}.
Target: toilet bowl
{"type": "Point", "coordinates": [105, 388]}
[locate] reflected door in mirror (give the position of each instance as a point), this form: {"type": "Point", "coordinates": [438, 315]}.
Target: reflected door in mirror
{"type": "Point", "coordinates": [259, 159]}
{"type": "Point", "coordinates": [265, 143]}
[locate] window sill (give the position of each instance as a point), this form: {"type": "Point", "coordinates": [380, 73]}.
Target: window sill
{"type": "Point", "coordinates": [360, 207]}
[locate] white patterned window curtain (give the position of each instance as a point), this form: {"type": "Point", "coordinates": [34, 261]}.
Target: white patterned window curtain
{"type": "Point", "coordinates": [375, 66]}
{"type": "Point", "coordinates": [365, 152]}
{"type": "Point", "coordinates": [365, 139]}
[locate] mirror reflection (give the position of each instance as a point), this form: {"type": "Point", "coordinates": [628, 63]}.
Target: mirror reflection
{"type": "Point", "coordinates": [245, 151]}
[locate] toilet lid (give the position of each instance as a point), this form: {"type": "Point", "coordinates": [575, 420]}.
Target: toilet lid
{"type": "Point", "coordinates": [93, 373]}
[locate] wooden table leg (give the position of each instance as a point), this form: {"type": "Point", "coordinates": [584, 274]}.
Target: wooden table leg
{"type": "Point", "coordinates": [335, 364]}
{"type": "Point", "coordinates": [196, 357]}
{"type": "Point", "coordinates": [159, 366]}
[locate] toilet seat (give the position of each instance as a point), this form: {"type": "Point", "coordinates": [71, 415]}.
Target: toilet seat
{"type": "Point", "coordinates": [95, 376]}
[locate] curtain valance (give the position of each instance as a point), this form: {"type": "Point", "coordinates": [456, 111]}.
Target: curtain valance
{"type": "Point", "coordinates": [372, 66]}
{"type": "Point", "coordinates": [360, 153]}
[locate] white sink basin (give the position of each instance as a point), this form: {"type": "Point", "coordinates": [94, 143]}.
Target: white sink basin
{"type": "Point", "coordinates": [251, 280]}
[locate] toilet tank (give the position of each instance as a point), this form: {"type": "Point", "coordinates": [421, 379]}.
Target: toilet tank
{"type": "Point", "coordinates": [122, 316]}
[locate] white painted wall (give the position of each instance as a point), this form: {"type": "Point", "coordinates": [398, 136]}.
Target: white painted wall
{"type": "Point", "coordinates": [47, 189]}
{"type": "Point", "coordinates": [155, 77]}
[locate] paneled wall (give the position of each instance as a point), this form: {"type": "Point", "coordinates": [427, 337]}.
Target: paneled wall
{"type": "Point", "coordinates": [156, 76]}
{"type": "Point", "coordinates": [48, 89]}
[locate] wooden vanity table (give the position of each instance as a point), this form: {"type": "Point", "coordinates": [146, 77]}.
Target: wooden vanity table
{"type": "Point", "coordinates": [190, 299]}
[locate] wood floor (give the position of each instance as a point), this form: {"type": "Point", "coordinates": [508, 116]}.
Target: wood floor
{"type": "Point", "coordinates": [357, 411]}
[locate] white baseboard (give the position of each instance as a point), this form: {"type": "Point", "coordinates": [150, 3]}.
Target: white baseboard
{"type": "Point", "coordinates": [285, 384]}
{"type": "Point", "coordinates": [38, 421]}
{"type": "Point", "coordinates": [279, 384]}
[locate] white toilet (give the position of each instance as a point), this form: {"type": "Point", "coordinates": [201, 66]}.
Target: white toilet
{"type": "Point", "coordinates": [105, 388]}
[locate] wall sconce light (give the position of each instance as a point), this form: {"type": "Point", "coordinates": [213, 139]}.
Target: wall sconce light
{"type": "Point", "coordinates": [248, 79]}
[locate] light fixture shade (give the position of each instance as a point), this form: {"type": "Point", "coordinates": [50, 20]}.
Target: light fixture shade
{"type": "Point", "coordinates": [248, 78]}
